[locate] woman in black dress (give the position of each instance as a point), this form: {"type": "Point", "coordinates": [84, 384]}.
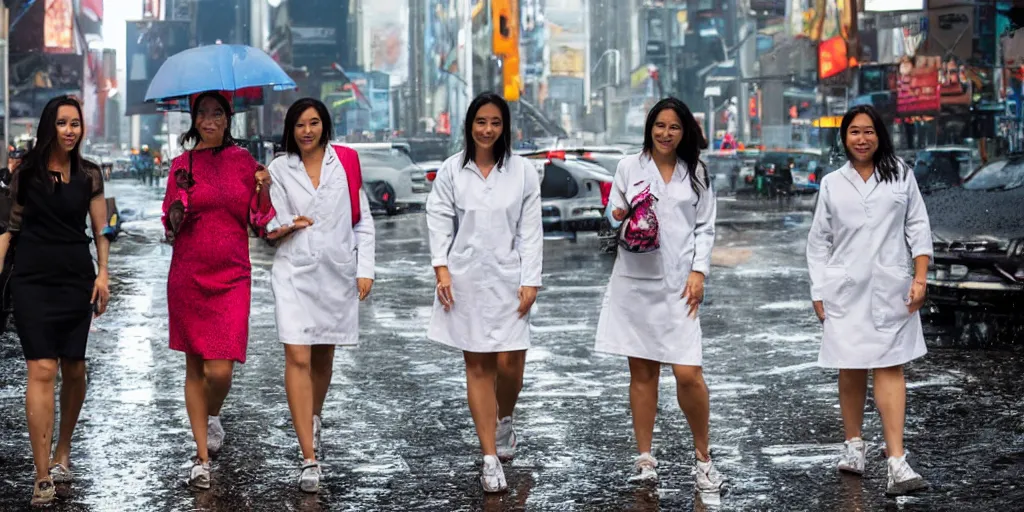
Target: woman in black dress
{"type": "Point", "coordinates": [56, 289]}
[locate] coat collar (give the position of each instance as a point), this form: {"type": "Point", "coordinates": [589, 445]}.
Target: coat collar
{"type": "Point", "coordinates": [865, 188]}
{"type": "Point", "coordinates": [327, 169]}
{"type": "Point", "coordinates": [471, 166]}
{"type": "Point", "coordinates": [647, 163]}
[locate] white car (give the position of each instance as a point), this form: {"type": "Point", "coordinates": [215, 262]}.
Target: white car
{"type": "Point", "coordinates": [393, 182]}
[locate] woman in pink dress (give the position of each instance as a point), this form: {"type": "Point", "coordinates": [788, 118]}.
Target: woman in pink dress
{"type": "Point", "coordinates": [215, 193]}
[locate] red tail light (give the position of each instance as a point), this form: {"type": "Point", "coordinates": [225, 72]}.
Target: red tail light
{"type": "Point", "coordinates": [606, 191]}
{"type": "Point", "coordinates": [812, 178]}
{"type": "Point", "coordinates": [553, 155]}
{"type": "Point", "coordinates": [588, 155]}
{"type": "Point", "coordinates": [431, 175]}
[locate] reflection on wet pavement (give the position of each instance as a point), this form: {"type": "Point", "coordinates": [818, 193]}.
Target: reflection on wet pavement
{"type": "Point", "coordinates": [398, 434]}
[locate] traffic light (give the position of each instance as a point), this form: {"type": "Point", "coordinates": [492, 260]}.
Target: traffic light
{"type": "Point", "coordinates": [505, 43]}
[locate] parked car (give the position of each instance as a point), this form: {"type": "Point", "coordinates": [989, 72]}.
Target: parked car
{"type": "Point", "coordinates": [978, 232]}
{"type": "Point", "coordinates": [784, 173]}
{"type": "Point", "coordinates": [393, 182]}
{"type": "Point", "coordinates": [944, 167]}
{"type": "Point", "coordinates": [574, 191]}
{"type": "Point", "coordinates": [726, 168]}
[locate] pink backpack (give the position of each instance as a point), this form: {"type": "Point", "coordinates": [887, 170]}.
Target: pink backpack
{"type": "Point", "coordinates": [354, 174]}
{"type": "Point", "coordinates": [639, 231]}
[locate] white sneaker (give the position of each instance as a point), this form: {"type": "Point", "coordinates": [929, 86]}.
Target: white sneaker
{"type": "Point", "coordinates": [644, 468]}
{"type": "Point", "coordinates": [707, 478]}
{"type": "Point", "coordinates": [309, 479]}
{"type": "Point", "coordinates": [506, 439]}
{"type": "Point", "coordinates": [854, 456]}
{"type": "Point", "coordinates": [493, 478]}
{"type": "Point", "coordinates": [199, 477]}
{"type": "Point", "coordinates": [317, 427]}
{"type": "Point", "coordinates": [214, 435]}
{"type": "Point", "coordinates": [903, 479]}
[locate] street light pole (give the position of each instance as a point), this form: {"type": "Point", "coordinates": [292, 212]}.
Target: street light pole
{"type": "Point", "coordinates": [5, 30]}
{"type": "Point", "coordinates": [5, 64]}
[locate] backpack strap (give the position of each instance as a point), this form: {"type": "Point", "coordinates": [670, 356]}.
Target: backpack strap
{"type": "Point", "coordinates": [354, 175]}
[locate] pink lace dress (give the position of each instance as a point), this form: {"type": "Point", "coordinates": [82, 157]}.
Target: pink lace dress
{"type": "Point", "coordinates": [209, 283]}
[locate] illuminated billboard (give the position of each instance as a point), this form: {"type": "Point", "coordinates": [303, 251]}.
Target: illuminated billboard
{"type": "Point", "coordinates": [59, 27]}
{"type": "Point", "coordinates": [893, 5]}
{"type": "Point", "coordinates": [148, 44]}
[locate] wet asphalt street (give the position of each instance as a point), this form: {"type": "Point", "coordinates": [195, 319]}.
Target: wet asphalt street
{"type": "Point", "coordinates": [398, 434]}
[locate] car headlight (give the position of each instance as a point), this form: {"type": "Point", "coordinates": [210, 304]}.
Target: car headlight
{"type": "Point", "coordinates": [1015, 249]}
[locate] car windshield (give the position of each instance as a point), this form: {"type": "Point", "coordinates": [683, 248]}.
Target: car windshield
{"type": "Point", "coordinates": [936, 170]}
{"type": "Point", "coordinates": [1001, 175]}
{"type": "Point", "coordinates": [393, 158]}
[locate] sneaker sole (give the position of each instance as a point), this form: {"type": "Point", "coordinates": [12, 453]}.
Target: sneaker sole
{"type": "Point", "coordinates": [309, 487]}
{"type": "Point", "coordinates": [487, 490]}
{"type": "Point", "coordinates": [916, 484]}
{"type": "Point", "coordinates": [203, 486]}
{"type": "Point", "coordinates": [851, 471]}
{"type": "Point", "coordinates": [644, 480]}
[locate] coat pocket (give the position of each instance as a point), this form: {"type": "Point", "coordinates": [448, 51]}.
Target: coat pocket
{"type": "Point", "coordinates": [836, 292]}
{"type": "Point", "coordinates": [890, 289]}
{"type": "Point", "coordinates": [648, 265]}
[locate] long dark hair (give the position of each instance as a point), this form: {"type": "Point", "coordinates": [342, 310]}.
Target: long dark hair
{"type": "Point", "coordinates": [689, 148]}
{"type": "Point", "coordinates": [502, 146]}
{"type": "Point", "coordinates": [292, 118]}
{"type": "Point", "coordinates": [192, 137]}
{"type": "Point", "coordinates": [887, 165]}
{"type": "Point", "coordinates": [35, 167]}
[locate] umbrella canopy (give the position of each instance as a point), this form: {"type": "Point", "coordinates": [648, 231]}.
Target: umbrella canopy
{"type": "Point", "coordinates": [219, 67]}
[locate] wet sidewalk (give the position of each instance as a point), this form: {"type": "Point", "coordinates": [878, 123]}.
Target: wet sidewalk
{"type": "Point", "coordinates": [398, 434]}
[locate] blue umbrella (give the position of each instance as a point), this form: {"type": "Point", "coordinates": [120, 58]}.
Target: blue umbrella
{"type": "Point", "coordinates": [218, 67]}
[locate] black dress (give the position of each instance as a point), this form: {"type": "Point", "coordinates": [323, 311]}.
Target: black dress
{"type": "Point", "coordinates": [53, 275]}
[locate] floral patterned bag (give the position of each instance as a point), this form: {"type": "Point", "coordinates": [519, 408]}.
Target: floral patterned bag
{"type": "Point", "coordinates": [639, 231]}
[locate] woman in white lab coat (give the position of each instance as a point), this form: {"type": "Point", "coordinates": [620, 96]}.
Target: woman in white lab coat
{"type": "Point", "coordinates": [486, 247]}
{"type": "Point", "coordinates": [869, 222]}
{"type": "Point", "coordinates": [322, 269]}
{"type": "Point", "coordinates": [650, 307]}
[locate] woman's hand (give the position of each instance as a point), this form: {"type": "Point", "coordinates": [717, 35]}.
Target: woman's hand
{"type": "Point", "coordinates": [619, 214]}
{"type": "Point", "coordinates": [918, 292]}
{"type": "Point", "coordinates": [300, 222]}
{"type": "Point", "coordinates": [694, 292]}
{"type": "Point", "coordinates": [262, 178]}
{"type": "Point", "coordinates": [100, 293]}
{"type": "Point", "coordinates": [527, 296]}
{"type": "Point", "coordinates": [364, 284]}
{"type": "Point", "coordinates": [819, 309]}
{"type": "Point", "coordinates": [444, 288]}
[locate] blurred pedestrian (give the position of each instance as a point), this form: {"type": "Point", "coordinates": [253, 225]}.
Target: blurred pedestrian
{"type": "Point", "coordinates": [6, 201]}
{"type": "Point", "coordinates": [323, 266]}
{"type": "Point", "coordinates": [869, 222]}
{"type": "Point", "coordinates": [664, 198]}
{"type": "Point", "coordinates": [215, 193]}
{"type": "Point", "coordinates": [486, 247]}
{"type": "Point", "coordinates": [55, 285]}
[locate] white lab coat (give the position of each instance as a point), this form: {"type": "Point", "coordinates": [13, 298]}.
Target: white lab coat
{"type": "Point", "coordinates": [643, 314]}
{"type": "Point", "coordinates": [859, 251]}
{"type": "Point", "coordinates": [497, 247]}
{"type": "Point", "coordinates": [315, 269]}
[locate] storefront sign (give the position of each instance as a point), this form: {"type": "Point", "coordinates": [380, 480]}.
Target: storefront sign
{"type": "Point", "coordinates": [918, 86]}
{"type": "Point", "coordinates": [893, 5]}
